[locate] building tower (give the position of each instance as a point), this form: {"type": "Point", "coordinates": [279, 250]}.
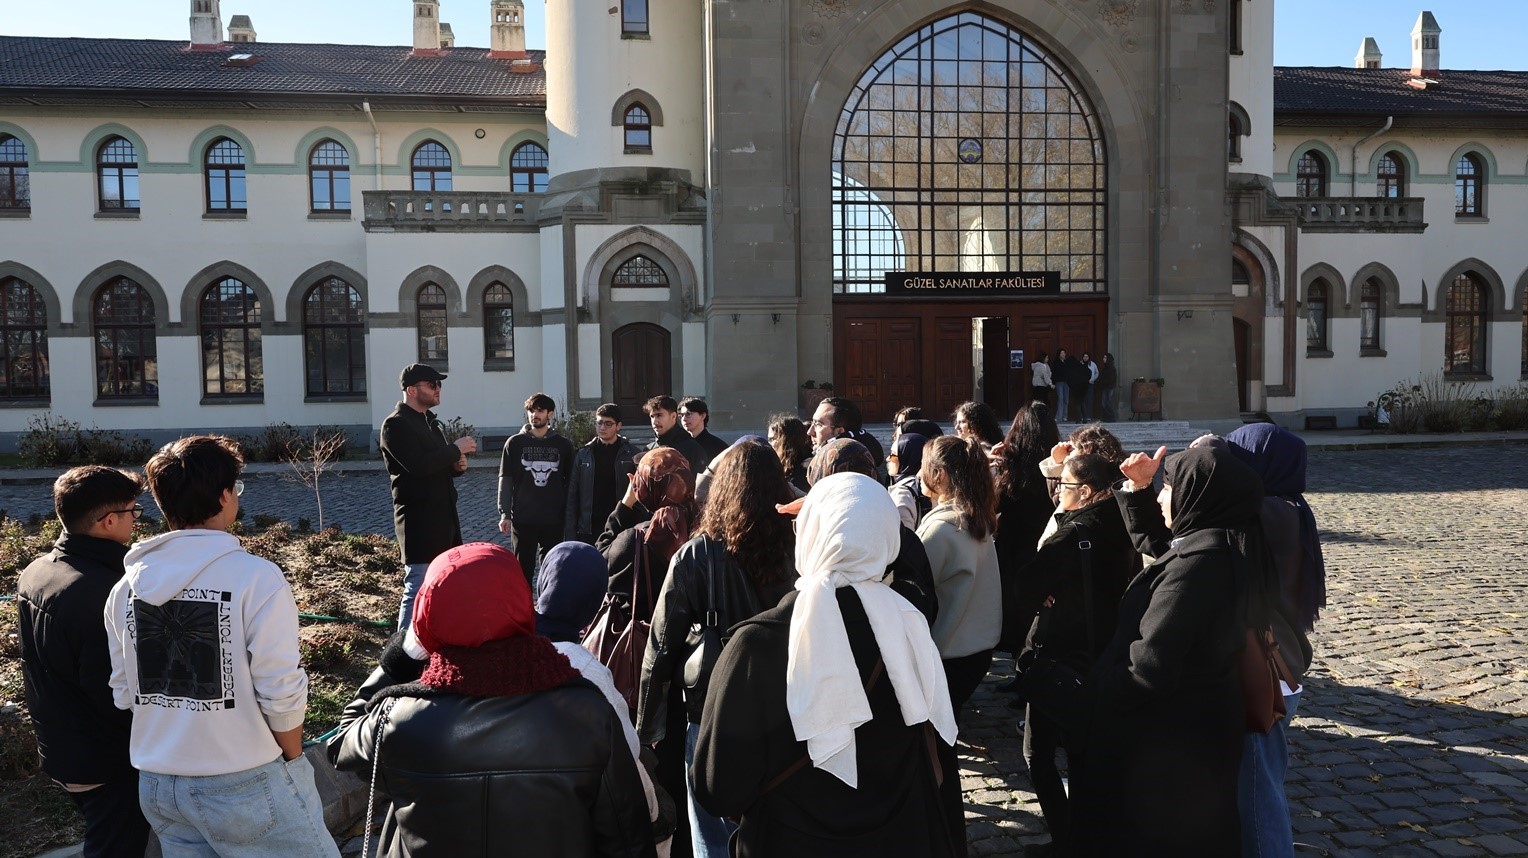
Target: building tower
{"type": "Point", "coordinates": [206, 24]}
{"type": "Point", "coordinates": [426, 26]}
{"type": "Point", "coordinates": [507, 32]}
{"type": "Point", "coordinates": [1368, 56]}
{"type": "Point", "coordinates": [447, 37]}
{"type": "Point", "coordinates": [1424, 46]}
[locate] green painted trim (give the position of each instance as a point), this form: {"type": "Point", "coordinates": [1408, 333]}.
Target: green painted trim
{"type": "Point", "coordinates": [93, 139]}
{"type": "Point", "coordinates": [326, 132]}
{"type": "Point", "coordinates": [199, 144]}
{"type": "Point", "coordinates": [26, 140]}
{"type": "Point", "coordinates": [1333, 163]}
{"type": "Point", "coordinates": [524, 135]}
{"type": "Point", "coordinates": [1478, 149]}
{"type": "Point", "coordinates": [411, 142]}
{"type": "Point", "coordinates": [1413, 164]}
{"type": "Point", "coordinates": [457, 171]}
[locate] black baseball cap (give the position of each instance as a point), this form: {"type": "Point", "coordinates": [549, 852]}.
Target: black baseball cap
{"type": "Point", "coordinates": [417, 372]}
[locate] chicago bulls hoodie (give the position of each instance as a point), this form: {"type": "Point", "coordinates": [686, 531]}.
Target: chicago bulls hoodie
{"type": "Point", "coordinates": [533, 478]}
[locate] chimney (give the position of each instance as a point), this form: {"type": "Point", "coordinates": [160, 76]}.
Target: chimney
{"type": "Point", "coordinates": [427, 27]}
{"type": "Point", "coordinates": [447, 38]}
{"type": "Point", "coordinates": [1368, 56]}
{"type": "Point", "coordinates": [240, 29]}
{"type": "Point", "coordinates": [1424, 46]}
{"type": "Point", "coordinates": [206, 25]}
{"type": "Point", "coordinates": [507, 33]}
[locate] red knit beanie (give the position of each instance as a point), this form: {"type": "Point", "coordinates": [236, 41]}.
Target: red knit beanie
{"type": "Point", "coordinates": [473, 594]}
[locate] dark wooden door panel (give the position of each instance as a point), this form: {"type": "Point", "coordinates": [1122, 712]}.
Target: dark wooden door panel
{"type": "Point", "coordinates": [863, 365]}
{"type": "Point", "coordinates": [901, 355]}
{"type": "Point", "coordinates": [952, 362]}
{"type": "Point", "coordinates": [641, 365]}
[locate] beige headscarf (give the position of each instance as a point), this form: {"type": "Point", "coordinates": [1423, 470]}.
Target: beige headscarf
{"type": "Point", "coordinates": [846, 535]}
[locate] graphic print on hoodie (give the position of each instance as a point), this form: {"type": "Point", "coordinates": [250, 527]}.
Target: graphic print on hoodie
{"type": "Point", "coordinates": [533, 478]}
{"type": "Point", "coordinates": [180, 651]}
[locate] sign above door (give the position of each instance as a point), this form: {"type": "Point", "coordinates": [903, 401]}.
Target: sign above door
{"type": "Point", "coordinates": [966, 285]}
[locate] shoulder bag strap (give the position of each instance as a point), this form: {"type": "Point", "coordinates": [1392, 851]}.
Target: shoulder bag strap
{"type": "Point", "coordinates": [1085, 549]}
{"type": "Point", "coordinates": [710, 586]}
{"type": "Point", "coordinates": [376, 763]}
{"type": "Point", "coordinates": [777, 780]}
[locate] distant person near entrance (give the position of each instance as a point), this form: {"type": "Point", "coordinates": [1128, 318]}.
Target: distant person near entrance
{"type": "Point", "coordinates": [696, 418]}
{"type": "Point", "coordinates": [533, 484]}
{"type": "Point", "coordinates": [1108, 386]}
{"type": "Point", "coordinates": [663, 415]}
{"type": "Point", "coordinates": [1040, 380]}
{"type": "Point", "coordinates": [1087, 389]}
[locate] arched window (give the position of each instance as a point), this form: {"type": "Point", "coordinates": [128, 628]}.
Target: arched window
{"type": "Point", "coordinates": [1469, 186]}
{"type": "Point", "coordinates": [15, 177]}
{"type": "Point", "coordinates": [499, 324]}
{"type": "Point", "coordinates": [431, 167]}
{"type": "Point", "coordinates": [1465, 346]}
{"type": "Point", "coordinates": [1310, 175]}
{"type": "Point", "coordinates": [230, 330]}
{"type": "Point", "coordinates": [23, 342]}
{"type": "Point", "coordinates": [117, 175]}
{"type": "Point", "coordinates": [1370, 310]}
{"type": "Point", "coordinates": [1392, 176]}
{"type": "Point", "coordinates": [1524, 371]}
{"type": "Point", "coordinates": [334, 339]}
{"type": "Point", "coordinates": [1315, 316]}
{"type": "Point", "coordinates": [639, 129]}
{"type": "Point", "coordinates": [528, 169]}
{"type": "Point", "coordinates": [1235, 134]}
{"type": "Point", "coordinates": [966, 120]}
{"type": "Point", "coordinates": [127, 360]}
{"type": "Point", "coordinates": [329, 178]}
{"type": "Point", "coordinates": [634, 17]}
{"type": "Point", "coordinates": [225, 177]}
{"type": "Point", "coordinates": [1234, 34]}
{"type": "Point", "coordinates": [1239, 275]}
{"type": "Point", "coordinates": [639, 271]}
{"type": "Point", "coordinates": [431, 302]}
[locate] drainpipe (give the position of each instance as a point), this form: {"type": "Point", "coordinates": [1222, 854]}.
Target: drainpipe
{"type": "Point", "coordinates": [1353, 179]}
{"type": "Point", "coordinates": [376, 141]}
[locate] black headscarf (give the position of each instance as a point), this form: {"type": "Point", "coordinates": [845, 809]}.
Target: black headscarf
{"type": "Point", "coordinates": [1278, 456]}
{"type": "Point", "coordinates": [1213, 490]}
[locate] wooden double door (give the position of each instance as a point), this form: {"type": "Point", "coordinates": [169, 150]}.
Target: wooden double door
{"type": "Point", "coordinates": [889, 353]}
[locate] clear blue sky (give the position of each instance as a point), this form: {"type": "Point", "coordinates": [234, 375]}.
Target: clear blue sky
{"type": "Point", "coordinates": [1477, 34]}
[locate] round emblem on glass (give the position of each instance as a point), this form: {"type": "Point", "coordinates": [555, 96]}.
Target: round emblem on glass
{"type": "Point", "coordinates": [970, 150]}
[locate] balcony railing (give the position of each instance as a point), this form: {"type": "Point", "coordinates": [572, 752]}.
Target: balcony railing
{"type": "Point", "coordinates": [1360, 214]}
{"type": "Point", "coordinates": [450, 211]}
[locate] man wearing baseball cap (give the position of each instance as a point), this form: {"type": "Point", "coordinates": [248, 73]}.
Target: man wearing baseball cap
{"type": "Point", "coordinates": [420, 466]}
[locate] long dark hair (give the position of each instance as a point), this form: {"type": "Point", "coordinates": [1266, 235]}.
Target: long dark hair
{"type": "Point", "coordinates": [982, 420]}
{"type": "Point", "coordinates": [959, 468]}
{"type": "Point", "coordinates": [791, 443]}
{"type": "Point", "coordinates": [1028, 443]}
{"type": "Point", "coordinates": [746, 483]}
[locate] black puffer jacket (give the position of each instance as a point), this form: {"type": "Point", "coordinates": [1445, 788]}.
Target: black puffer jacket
{"type": "Point", "coordinates": [547, 773]}
{"type": "Point", "coordinates": [679, 615]}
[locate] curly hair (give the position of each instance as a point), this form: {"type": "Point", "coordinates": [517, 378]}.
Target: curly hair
{"type": "Point", "coordinates": [1027, 444]}
{"type": "Point", "coordinates": [981, 420]}
{"type": "Point", "coordinates": [791, 442]}
{"type": "Point", "coordinates": [1094, 438]}
{"type": "Point", "coordinates": [958, 468]}
{"type": "Point", "coordinates": [746, 482]}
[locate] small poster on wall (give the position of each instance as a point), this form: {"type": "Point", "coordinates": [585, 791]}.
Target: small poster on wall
{"type": "Point", "coordinates": [1015, 358]}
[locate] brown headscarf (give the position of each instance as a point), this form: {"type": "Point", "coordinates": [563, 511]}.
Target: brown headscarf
{"type": "Point", "coordinates": [665, 484]}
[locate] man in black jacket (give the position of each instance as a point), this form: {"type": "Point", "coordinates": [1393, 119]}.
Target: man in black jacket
{"type": "Point", "coordinates": [420, 466]}
{"type": "Point", "coordinates": [663, 415]}
{"type": "Point", "coordinates": [82, 736]}
{"type": "Point", "coordinates": [533, 484]}
{"type": "Point", "coordinates": [601, 472]}
{"type": "Point", "coordinates": [695, 416]}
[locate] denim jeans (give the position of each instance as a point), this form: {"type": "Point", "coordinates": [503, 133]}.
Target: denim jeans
{"type": "Point", "coordinates": [1108, 405]}
{"type": "Point", "coordinates": [1260, 796]}
{"type": "Point", "coordinates": [272, 810]}
{"type": "Point", "coordinates": [1063, 395]}
{"type": "Point", "coordinates": [708, 834]}
{"type": "Point", "coordinates": [413, 579]}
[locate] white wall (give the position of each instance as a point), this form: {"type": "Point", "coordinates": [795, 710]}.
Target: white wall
{"type": "Point", "coordinates": [1251, 86]}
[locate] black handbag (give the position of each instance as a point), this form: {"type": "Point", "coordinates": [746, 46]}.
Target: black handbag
{"type": "Point", "coordinates": [1055, 689]}
{"type": "Point", "coordinates": [697, 668]}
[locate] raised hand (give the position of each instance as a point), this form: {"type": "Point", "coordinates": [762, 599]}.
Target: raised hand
{"type": "Point", "coordinates": [1139, 468]}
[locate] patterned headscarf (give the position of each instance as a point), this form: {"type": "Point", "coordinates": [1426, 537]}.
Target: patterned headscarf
{"type": "Point", "coordinates": [665, 484]}
{"type": "Point", "coordinates": [840, 455]}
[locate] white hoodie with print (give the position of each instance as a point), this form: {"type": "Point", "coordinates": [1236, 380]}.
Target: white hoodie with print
{"type": "Point", "coordinates": [203, 639]}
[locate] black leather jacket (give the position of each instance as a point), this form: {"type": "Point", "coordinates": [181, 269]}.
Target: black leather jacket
{"type": "Point", "coordinates": [677, 620]}
{"type": "Point", "coordinates": [536, 774]}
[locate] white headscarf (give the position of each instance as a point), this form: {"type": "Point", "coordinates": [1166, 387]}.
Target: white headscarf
{"type": "Point", "coordinates": [846, 535]}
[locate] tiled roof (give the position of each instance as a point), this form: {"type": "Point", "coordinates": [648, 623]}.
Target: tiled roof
{"type": "Point", "coordinates": [85, 66]}
{"type": "Point", "coordinates": [1386, 92]}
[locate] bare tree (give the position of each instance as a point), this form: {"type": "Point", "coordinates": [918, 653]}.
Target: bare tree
{"type": "Point", "coordinates": [310, 458]}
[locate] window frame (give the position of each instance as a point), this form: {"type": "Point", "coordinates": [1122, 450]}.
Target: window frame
{"type": "Point", "coordinates": [437, 177]}
{"type": "Point", "coordinates": [15, 173]}
{"type": "Point", "coordinates": [348, 319]}
{"type": "Point", "coordinates": [636, 19]}
{"type": "Point", "coordinates": [498, 299]}
{"type": "Point", "coordinates": [1390, 184]}
{"type": "Point", "coordinates": [30, 335]}
{"type": "Point", "coordinates": [532, 167]}
{"type": "Point", "coordinates": [1311, 175]}
{"type": "Point", "coordinates": [1318, 316]}
{"type": "Point", "coordinates": [1371, 312]}
{"type": "Point", "coordinates": [142, 330]}
{"type": "Point", "coordinates": [635, 129]}
{"type": "Point", "coordinates": [1477, 321]}
{"type": "Point", "coordinates": [212, 318]}
{"type": "Point", "coordinates": [330, 173]}
{"type": "Point", "coordinates": [227, 174]}
{"type": "Point", "coordinates": [1470, 187]}
{"type": "Point", "coordinates": [125, 172]}
{"type": "Point", "coordinates": [431, 299]}
{"type": "Point", "coordinates": [1234, 135]}
{"type": "Point", "coordinates": [639, 272]}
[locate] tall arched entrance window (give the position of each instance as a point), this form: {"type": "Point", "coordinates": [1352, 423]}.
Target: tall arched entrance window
{"type": "Point", "coordinates": [967, 155]}
{"type": "Point", "coordinates": [1464, 351]}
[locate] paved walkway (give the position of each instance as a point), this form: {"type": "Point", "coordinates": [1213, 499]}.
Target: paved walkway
{"type": "Point", "coordinates": [1412, 738]}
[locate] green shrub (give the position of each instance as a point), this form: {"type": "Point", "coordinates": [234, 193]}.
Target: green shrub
{"type": "Point", "coordinates": [1512, 408]}
{"type": "Point", "coordinates": [274, 443]}
{"type": "Point", "coordinates": [456, 428]}
{"type": "Point", "coordinates": [1403, 406]}
{"type": "Point", "coordinates": [49, 442]}
{"type": "Point", "coordinates": [577, 426]}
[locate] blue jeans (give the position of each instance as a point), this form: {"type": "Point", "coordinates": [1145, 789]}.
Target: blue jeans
{"type": "Point", "coordinates": [708, 834]}
{"type": "Point", "coordinates": [1063, 394]}
{"type": "Point", "coordinates": [272, 810]}
{"type": "Point", "coordinates": [1260, 799]}
{"type": "Point", "coordinates": [1108, 405]}
{"type": "Point", "coordinates": [413, 579]}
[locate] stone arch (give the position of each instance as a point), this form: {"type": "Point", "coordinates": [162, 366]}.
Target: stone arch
{"type": "Point", "coordinates": [1273, 284]}
{"type": "Point", "coordinates": [472, 313]}
{"type": "Point", "coordinates": [1333, 278]}
{"type": "Point", "coordinates": [198, 151]}
{"type": "Point", "coordinates": [1520, 294]}
{"type": "Point", "coordinates": [683, 283]}
{"type": "Point", "coordinates": [309, 278]}
{"type": "Point", "coordinates": [408, 292]}
{"type": "Point", "coordinates": [97, 135]}
{"type": "Point", "coordinates": [93, 281]}
{"type": "Point", "coordinates": [1390, 288]}
{"type": "Point", "coordinates": [1496, 291]}
{"type": "Point", "coordinates": [1248, 313]}
{"type": "Point", "coordinates": [1409, 159]}
{"type": "Point", "coordinates": [313, 138]}
{"type": "Point", "coordinates": [49, 295]}
{"type": "Point", "coordinates": [191, 296]}
{"type": "Point", "coordinates": [1333, 163]}
{"type": "Point", "coordinates": [654, 110]}
{"type": "Point", "coordinates": [1242, 117]}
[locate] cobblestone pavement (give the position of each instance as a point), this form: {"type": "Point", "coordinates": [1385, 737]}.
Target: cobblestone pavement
{"type": "Point", "coordinates": [1412, 737]}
